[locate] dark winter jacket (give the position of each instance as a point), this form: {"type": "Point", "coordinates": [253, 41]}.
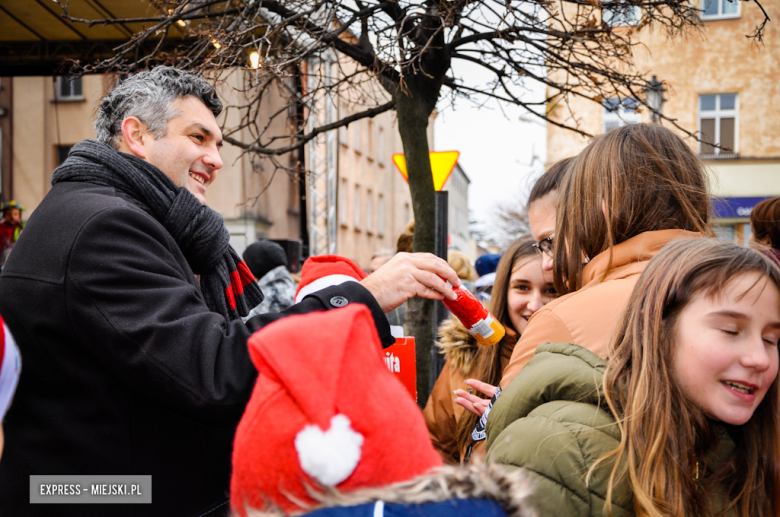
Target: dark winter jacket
{"type": "Point", "coordinates": [475, 491]}
{"type": "Point", "coordinates": [126, 371]}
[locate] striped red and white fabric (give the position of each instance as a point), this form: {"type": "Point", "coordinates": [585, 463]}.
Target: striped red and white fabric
{"type": "Point", "coordinates": [10, 368]}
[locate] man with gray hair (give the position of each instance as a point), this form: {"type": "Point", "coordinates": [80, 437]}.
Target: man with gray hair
{"type": "Point", "coordinates": [132, 364]}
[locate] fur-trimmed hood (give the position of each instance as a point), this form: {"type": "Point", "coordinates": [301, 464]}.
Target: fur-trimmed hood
{"type": "Point", "coordinates": [457, 345]}
{"type": "Point", "coordinates": [461, 348]}
{"type": "Point", "coordinates": [510, 489]}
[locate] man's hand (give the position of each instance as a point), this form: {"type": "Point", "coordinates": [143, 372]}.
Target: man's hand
{"type": "Point", "coordinates": [411, 274]}
{"type": "Point", "coordinates": [473, 403]}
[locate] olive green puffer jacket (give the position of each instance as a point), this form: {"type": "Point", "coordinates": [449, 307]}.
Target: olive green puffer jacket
{"type": "Point", "coordinates": [553, 420]}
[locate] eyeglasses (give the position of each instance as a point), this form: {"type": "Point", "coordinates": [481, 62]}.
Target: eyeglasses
{"type": "Point", "coordinates": [545, 246]}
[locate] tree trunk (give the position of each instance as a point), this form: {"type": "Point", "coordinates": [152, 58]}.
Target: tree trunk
{"type": "Point", "coordinates": [419, 319]}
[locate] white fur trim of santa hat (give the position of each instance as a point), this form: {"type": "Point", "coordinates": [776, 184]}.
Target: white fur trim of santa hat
{"type": "Point", "coordinates": [322, 283]}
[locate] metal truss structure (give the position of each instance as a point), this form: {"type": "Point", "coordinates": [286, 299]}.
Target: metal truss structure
{"type": "Point", "coordinates": [322, 164]}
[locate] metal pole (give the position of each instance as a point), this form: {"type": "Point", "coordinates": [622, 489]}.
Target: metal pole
{"type": "Point", "coordinates": [440, 311]}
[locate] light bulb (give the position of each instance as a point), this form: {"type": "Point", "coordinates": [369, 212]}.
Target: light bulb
{"type": "Point", "coordinates": [254, 59]}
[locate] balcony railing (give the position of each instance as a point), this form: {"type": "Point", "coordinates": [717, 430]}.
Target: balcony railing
{"type": "Point", "coordinates": [721, 156]}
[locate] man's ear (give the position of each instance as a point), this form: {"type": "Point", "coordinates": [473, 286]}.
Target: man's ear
{"type": "Point", "coordinates": [133, 134]}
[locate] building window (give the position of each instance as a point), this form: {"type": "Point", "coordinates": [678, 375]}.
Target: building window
{"type": "Point", "coordinates": [293, 199]}
{"type": "Point", "coordinates": [70, 88]}
{"type": "Point", "coordinates": [739, 233]}
{"type": "Point", "coordinates": [357, 207]}
{"type": "Point", "coordinates": [62, 153]}
{"type": "Point", "coordinates": [618, 113]}
{"type": "Point", "coordinates": [719, 9]}
{"type": "Point", "coordinates": [380, 216]}
{"type": "Point", "coordinates": [369, 212]}
{"type": "Point", "coordinates": [747, 234]}
{"type": "Point", "coordinates": [380, 147]}
{"type": "Point", "coordinates": [726, 232]}
{"type": "Point", "coordinates": [343, 203]}
{"type": "Point", "coordinates": [371, 139]}
{"type": "Point", "coordinates": [718, 124]}
{"type": "Point", "coordinates": [343, 129]}
{"type": "Point", "coordinates": [357, 136]}
{"type": "Point", "coordinates": [620, 14]}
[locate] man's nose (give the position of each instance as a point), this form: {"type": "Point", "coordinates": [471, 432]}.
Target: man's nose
{"type": "Point", "coordinates": [213, 159]}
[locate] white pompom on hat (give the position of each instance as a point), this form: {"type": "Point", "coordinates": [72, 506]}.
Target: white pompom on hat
{"type": "Point", "coordinates": [325, 412]}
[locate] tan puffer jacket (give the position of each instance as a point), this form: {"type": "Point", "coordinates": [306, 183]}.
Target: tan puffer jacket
{"type": "Point", "coordinates": [441, 412]}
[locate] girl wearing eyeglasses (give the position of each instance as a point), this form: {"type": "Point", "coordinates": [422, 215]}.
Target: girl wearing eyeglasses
{"type": "Point", "coordinates": [628, 194]}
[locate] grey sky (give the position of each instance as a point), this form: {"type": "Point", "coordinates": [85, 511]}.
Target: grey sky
{"type": "Point", "coordinates": [496, 146]}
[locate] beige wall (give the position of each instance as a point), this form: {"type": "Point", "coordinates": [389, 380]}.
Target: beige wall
{"type": "Point", "coordinates": [365, 168]}
{"type": "Point", "coordinates": [40, 126]}
{"type": "Point", "coordinates": [256, 198]}
{"type": "Point", "coordinates": [718, 60]}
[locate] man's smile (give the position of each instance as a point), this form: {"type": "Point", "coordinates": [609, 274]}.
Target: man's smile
{"type": "Point", "coordinates": [200, 177]}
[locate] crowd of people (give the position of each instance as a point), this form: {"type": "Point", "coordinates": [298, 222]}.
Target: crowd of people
{"type": "Point", "coordinates": [637, 374]}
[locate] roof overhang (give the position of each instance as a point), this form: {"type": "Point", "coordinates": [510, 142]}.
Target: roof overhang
{"type": "Point", "coordinates": [36, 40]}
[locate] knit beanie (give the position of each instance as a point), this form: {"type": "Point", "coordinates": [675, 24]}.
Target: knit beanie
{"type": "Point", "coordinates": [325, 411]}
{"type": "Point", "coordinates": [324, 271]}
{"type": "Point", "coordinates": [487, 264]}
{"type": "Point", "coordinates": [263, 256]}
{"type": "Point", "coordinates": [10, 368]}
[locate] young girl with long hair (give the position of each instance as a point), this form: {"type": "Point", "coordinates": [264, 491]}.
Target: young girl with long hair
{"type": "Point", "coordinates": [682, 420]}
{"type": "Point", "coordinates": [521, 288]}
{"type": "Point", "coordinates": [626, 195]}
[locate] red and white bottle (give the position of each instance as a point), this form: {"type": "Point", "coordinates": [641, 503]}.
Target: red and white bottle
{"type": "Point", "coordinates": [475, 317]}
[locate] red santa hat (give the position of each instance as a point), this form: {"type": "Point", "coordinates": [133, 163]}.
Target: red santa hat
{"type": "Point", "coordinates": [10, 367]}
{"type": "Point", "coordinates": [325, 411]}
{"type": "Point", "coordinates": [324, 271]}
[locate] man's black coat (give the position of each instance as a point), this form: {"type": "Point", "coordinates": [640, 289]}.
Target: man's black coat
{"type": "Point", "coordinates": [124, 368]}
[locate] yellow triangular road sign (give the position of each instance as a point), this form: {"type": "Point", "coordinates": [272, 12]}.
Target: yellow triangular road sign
{"type": "Point", "coordinates": [442, 163]}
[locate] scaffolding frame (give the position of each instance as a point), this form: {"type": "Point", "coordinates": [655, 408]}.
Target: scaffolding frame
{"type": "Point", "coordinates": [322, 158]}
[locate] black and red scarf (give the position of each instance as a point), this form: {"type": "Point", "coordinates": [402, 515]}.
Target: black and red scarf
{"type": "Point", "coordinates": [225, 280]}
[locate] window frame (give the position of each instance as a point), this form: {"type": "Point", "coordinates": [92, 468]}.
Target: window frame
{"type": "Point", "coordinates": [720, 15]}
{"type": "Point", "coordinates": [58, 97]}
{"type": "Point", "coordinates": [343, 136]}
{"type": "Point", "coordinates": [380, 217]}
{"type": "Point", "coordinates": [609, 20]}
{"type": "Point", "coordinates": [369, 212]}
{"type": "Point", "coordinates": [358, 148]}
{"type": "Point", "coordinates": [370, 143]}
{"type": "Point", "coordinates": [619, 113]}
{"type": "Point", "coordinates": [62, 153]}
{"type": "Point", "coordinates": [381, 146]}
{"type": "Point", "coordinates": [356, 218]}
{"type": "Point", "coordinates": [343, 220]}
{"type": "Point", "coordinates": [717, 115]}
